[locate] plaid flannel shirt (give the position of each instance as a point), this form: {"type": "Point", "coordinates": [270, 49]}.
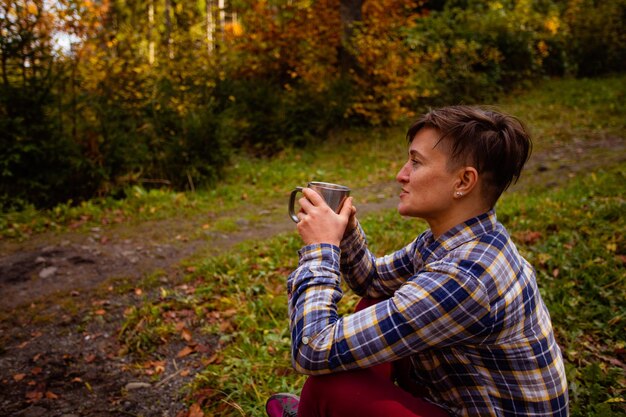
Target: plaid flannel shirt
{"type": "Point", "coordinates": [464, 307]}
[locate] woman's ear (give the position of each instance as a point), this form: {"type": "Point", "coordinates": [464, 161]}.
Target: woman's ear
{"type": "Point", "coordinates": [466, 181]}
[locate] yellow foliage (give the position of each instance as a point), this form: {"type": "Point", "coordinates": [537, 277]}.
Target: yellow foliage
{"type": "Point", "coordinates": [387, 65]}
{"type": "Point", "coordinates": [234, 29]}
{"type": "Point", "coordinates": [553, 24]}
{"type": "Point", "coordinates": [32, 8]}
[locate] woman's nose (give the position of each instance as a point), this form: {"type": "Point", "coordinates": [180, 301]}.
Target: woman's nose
{"type": "Point", "coordinates": [403, 175]}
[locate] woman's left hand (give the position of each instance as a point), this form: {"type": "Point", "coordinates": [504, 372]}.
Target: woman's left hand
{"type": "Point", "coordinates": [318, 222]}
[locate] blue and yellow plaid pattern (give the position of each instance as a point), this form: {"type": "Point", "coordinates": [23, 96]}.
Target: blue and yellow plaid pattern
{"type": "Point", "coordinates": [465, 308]}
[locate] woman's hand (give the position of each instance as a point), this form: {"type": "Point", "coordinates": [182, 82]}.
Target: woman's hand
{"type": "Point", "coordinates": [319, 223]}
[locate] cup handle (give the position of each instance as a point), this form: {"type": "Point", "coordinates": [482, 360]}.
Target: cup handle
{"type": "Point", "coordinates": [292, 202]}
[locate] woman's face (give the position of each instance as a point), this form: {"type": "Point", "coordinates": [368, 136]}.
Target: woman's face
{"type": "Point", "coordinates": [427, 184]}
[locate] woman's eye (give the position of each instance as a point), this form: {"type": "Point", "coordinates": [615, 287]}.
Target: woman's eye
{"type": "Point", "coordinates": [414, 162]}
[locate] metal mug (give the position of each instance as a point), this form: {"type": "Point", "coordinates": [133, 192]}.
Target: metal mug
{"type": "Point", "coordinates": [333, 194]}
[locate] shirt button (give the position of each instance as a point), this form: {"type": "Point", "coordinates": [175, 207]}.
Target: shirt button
{"type": "Point", "coordinates": [305, 340]}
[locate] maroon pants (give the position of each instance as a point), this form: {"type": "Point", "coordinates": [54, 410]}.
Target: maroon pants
{"type": "Point", "coordinates": [368, 392]}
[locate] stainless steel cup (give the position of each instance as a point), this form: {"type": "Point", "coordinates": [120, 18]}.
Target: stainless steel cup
{"type": "Point", "coordinates": [333, 194]}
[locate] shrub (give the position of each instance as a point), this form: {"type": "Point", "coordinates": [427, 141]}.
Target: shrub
{"type": "Point", "coordinates": [597, 38]}
{"type": "Point", "coordinates": [38, 164]}
{"type": "Point", "coordinates": [472, 50]}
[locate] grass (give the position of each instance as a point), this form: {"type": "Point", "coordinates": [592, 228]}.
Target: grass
{"type": "Point", "coordinates": [557, 111]}
{"type": "Point", "coordinates": [573, 233]}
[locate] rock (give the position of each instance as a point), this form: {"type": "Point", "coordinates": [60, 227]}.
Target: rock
{"type": "Point", "coordinates": [136, 385]}
{"type": "Point", "coordinates": [48, 272]}
{"type": "Point", "coordinates": [33, 411]}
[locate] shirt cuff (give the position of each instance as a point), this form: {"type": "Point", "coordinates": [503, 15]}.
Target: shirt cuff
{"type": "Point", "coordinates": [325, 253]}
{"type": "Point", "coordinates": [352, 238]}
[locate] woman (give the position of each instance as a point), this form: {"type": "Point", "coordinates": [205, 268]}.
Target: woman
{"type": "Point", "coordinates": [456, 313]}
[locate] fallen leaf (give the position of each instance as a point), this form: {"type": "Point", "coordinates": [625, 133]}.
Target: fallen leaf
{"type": "Point", "coordinates": [201, 348]}
{"type": "Point", "coordinates": [18, 377]}
{"type": "Point", "coordinates": [229, 313]}
{"type": "Point", "coordinates": [226, 327]}
{"type": "Point", "coordinates": [186, 334]}
{"type": "Point", "coordinates": [90, 358]}
{"type": "Point", "coordinates": [211, 359]}
{"type": "Point", "coordinates": [184, 372]}
{"type": "Point", "coordinates": [528, 237]}
{"type": "Point", "coordinates": [195, 411]}
{"type": "Point", "coordinates": [184, 352]}
{"type": "Point", "coordinates": [51, 395]}
{"type": "Point", "coordinates": [34, 396]}
{"type": "Point", "coordinates": [100, 312]}
{"type": "Point", "coordinates": [36, 370]}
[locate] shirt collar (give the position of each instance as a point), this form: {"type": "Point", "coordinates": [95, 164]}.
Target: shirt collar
{"type": "Point", "coordinates": [458, 235]}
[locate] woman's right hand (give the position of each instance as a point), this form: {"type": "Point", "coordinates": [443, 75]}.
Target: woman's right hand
{"type": "Point", "coordinates": [352, 222]}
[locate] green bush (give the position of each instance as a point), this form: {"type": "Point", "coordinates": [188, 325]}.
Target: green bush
{"type": "Point", "coordinates": [597, 36]}
{"type": "Point", "coordinates": [472, 50]}
{"type": "Point", "coordinates": [38, 164]}
{"type": "Point", "coordinates": [264, 117]}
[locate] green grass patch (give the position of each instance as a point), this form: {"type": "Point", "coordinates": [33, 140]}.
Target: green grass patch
{"type": "Point", "coordinates": [557, 111]}
{"type": "Point", "coordinates": [567, 110]}
{"type": "Point", "coordinates": [574, 236]}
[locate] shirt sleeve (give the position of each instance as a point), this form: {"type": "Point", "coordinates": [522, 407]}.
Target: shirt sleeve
{"type": "Point", "coordinates": [435, 307]}
{"type": "Point", "coordinates": [370, 276]}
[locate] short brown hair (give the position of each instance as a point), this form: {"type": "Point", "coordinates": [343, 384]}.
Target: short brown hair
{"type": "Point", "coordinates": [496, 144]}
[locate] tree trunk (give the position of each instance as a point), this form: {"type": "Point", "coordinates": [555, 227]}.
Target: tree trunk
{"type": "Point", "coordinates": [210, 26]}
{"type": "Point", "coordinates": [150, 32]}
{"type": "Point", "coordinates": [222, 14]}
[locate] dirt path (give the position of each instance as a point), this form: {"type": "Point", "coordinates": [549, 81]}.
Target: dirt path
{"type": "Point", "coordinates": [54, 363]}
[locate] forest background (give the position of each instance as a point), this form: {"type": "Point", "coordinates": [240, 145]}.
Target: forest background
{"type": "Point", "coordinates": [98, 96]}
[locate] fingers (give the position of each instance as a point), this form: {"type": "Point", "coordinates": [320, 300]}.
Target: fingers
{"type": "Point", "coordinates": [347, 208]}
{"type": "Point", "coordinates": [313, 196]}
{"type": "Point", "coordinates": [310, 200]}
